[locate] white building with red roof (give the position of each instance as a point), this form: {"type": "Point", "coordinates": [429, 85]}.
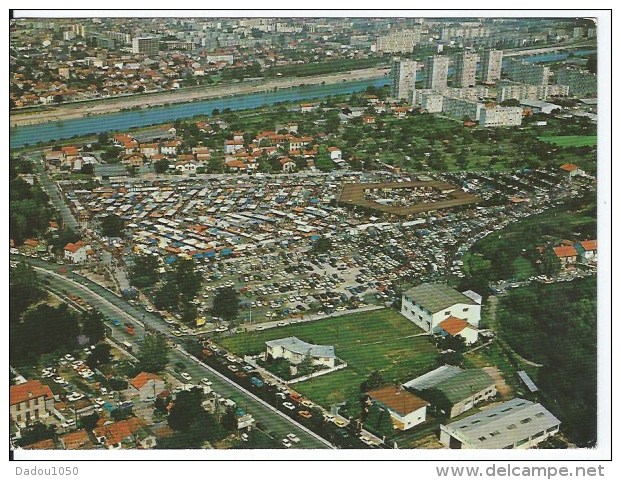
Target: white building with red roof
{"type": "Point", "coordinates": [78, 252]}
{"type": "Point", "coordinates": [147, 385]}
{"type": "Point", "coordinates": [30, 401]}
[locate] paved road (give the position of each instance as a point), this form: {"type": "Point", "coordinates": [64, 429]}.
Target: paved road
{"type": "Point", "coordinates": [52, 190]}
{"type": "Point", "coordinates": [114, 307]}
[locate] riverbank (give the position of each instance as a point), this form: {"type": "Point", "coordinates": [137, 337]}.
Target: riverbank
{"type": "Point", "coordinates": [104, 106]}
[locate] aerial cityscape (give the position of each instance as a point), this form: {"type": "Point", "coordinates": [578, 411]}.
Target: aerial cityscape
{"type": "Point", "coordinates": [303, 233]}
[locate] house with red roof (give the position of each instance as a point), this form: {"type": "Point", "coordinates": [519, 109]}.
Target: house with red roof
{"type": "Point", "coordinates": [571, 170]}
{"type": "Point", "coordinates": [287, 164]}
{"type": "Point", "coordinates": [78, 252]}
{"type": "Point", "coordinates": [567, 254]}
{"type": "Point", "coordinates": [335, 153]}
{"type": "Point", "coordinates": [406, 409]}
{"type": "Point", "coordinates": [130, 433]}
{"type": "Point", "coordinates": [79, 440]}
{"type": "Point", "coordinates": [147, 385]}
{"type": "Point", "coordinates": [30, 401]}
{"type": "Point", "coordinates": [454, 327]}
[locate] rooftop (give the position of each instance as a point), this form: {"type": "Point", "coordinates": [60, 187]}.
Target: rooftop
{"type": "Point", "coordinates": [430, 379]}
{"type": "Point", "coordinates": [295, 345]}
{"type": "Point", "coordinates": [396, 399]}
{"type": "Point", "coordinates": [25, 391]}
{"type": "Point", "coordinates": [504, 425]}
{"type": "Point", "coordinates": [437, 296]}
{"type": "Point", "coordinates": [464, 385]}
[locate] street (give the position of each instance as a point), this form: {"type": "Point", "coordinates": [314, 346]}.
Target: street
{"type": "Point", "coordinates": [113, 307]}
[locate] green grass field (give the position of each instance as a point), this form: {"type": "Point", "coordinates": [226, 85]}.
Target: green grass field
{"type": "Point", "coordinates": [572, 140]}
{"type": "Point", "coordinates": [522, 268]}
{"type": "Point", "coordinates": [380, 340]}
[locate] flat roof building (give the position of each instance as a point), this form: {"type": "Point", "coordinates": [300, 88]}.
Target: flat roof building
{"type": "Point", "coordinates": [465, 69]}
{"type": "Point", "coordinates": [403, 78]}
{"type": "Point", "coordinates": [491, 65]}
{"type": "Point", "coordinates": [436, 68]}
{"type": "Point", "coordinates": [517, 423]}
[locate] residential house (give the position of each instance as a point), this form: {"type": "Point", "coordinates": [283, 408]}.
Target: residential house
{"type": "Point", "coordinates": [78, 252]}
{"type": "Point", "coordinates": [430, 304]}
{"type": "Point", "coordinates": [30, 401]}
{"type": "Point", "coordinates": [232, 146]}
{"type": "Point", "coordinates": [150, 149]}
{"type": "Point", "coordinates": [517, 423]}
{"type": "Point", "coordinates": [308, 107]}
{"type": "Point", "coordinates": [129, 433]}
{"type": "Point", "coordinates": [453, 391]}
{"type": "Point", "coordinates": [335, 153]}
{"type": "Point", "coordinates": [133, 160]}
{"type": "Point", "coordinates": [587, 249]}
{"type": "Point", "coordinates": [296, 351]}
{"type": "Point", "coordinates": [567, 254]}
{"type": "Point", "coordinates": [79, 440]}
{"type": "Point", "coordinates": [406, 409]}
{"type": "Point", "coordinates": [571, 170]}
{"type": "Point", "coordinates": [170, 148]}
{"type": "Point", "coordinates": [147, 385]}
{"type": "Point", "coordinates": [287, 165]}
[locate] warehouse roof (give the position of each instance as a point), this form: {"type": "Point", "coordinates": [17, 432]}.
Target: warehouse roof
{"type": "Point", "coordinates": [437, 296]}
{"type": "Point", "coordinates": [431, 379]}
{"type": "Point", "coordinates": [464, 385]}
{"type": "Point", "coordinates": [504, 425]}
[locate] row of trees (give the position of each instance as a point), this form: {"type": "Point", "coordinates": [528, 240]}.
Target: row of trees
{"type": "Point", "coordinates": [556, 325]}
{"type": "Point", "coordinates": [37, 328]}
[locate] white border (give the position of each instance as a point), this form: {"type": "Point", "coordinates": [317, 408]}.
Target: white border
{"type": "Point", "coordinates": [604, 234]}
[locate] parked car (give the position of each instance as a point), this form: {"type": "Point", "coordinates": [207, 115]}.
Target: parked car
{"type": "Point", "coordinates": [288, 405]}
{"type": "Point", "coordinates": [186, 376]}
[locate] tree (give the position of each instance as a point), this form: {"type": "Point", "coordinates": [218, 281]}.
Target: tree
{"type": "Point", "coordinates": [375, 380]}
{"type": "Point", "coordinates": [153, 353]}
{"type": "Point", "coordinates": [510, 102]}
{"type": "Point", "coordinates": [187, 278]}
{"type": "Point", "coordinates": [25, 289]}
{"type": "Point", "coordinates": [187, 406]}
{"type": "Point", "coordinates": [144, 271]}
{"type": "Point", "coordinates": [103, 138]}
{"type": "Point", "coordinates": [322, 245]}
{"type": "Point", "coordinates": [161, 166]}
{"type": "Point", "coordinates": [89, 422]}
{"type": "Point", "coordinates": [550, 264]}
{"type": "Point", "coordinates": [229, 419]}
{"type": "Point", "coordinates": [226, 303]}
{"type": "Point", "coordinates": [591, 64]}
{"type": "Point", "coordinates": [112, 226]}
{"type": "Point", "coordinates": [99, 356]}
{"type": "Point", "coordinates": [93, 326]}
{"type": "Point", "coordinates": [323, 161]}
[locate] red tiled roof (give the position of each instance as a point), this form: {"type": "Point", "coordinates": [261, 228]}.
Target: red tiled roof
{"type": "Point", "coordinates": [47, 444]}
{"type": "Point", "coordinates": [31, 242]}
{"type": "Point", "coordinates": [569, 167]}
{"type": "Point", "coordinates": [114, 433]}
{"type": "Point", "coordinates": [565, 251]}
{"type": "Point", "coordinates": [142, 378]}
{"type": "Point", "coordinates": [25, 391]}
{"type": "Point", "coordinates": [589, 245]}
{"type": "Point", "coordinates": [77, 440]}
{"type": "Point", "coordinates": [74, 247]}
{"type": "Point", "coordinates": [453, 325]}
{"type": "Point", "coordinates": [398, 400]}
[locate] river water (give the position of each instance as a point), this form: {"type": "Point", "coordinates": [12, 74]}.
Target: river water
{"type": "Point", "coordinates": [31, 134]}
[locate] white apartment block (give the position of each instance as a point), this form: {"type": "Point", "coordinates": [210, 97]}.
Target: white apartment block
{"type": "Point", "coordinates": [432, 102]}
{"type": "Point", "coordinates": [146, 45]}
{"type": "Point", "coordinates": [465, 69]}
{"type": "Point", "coordinates": [580, 82]}
{"type": "Point", "coordinates": [491, 65]}
{"type": "Point", "coordinates": [398, 42]}
{"type": "Point", "coordinates": [403, 78]}
{"type": "Point", "coordinates": [436, 68]}
{"type": "Point", "coordinates": [461, 108]}
{"type": "Point", "coordinates": [500, 116]}
{"type": "Point", "coordinates": [523, 91]}
{"type": "Point", "coordinates": [465, 32]}
{"type": "Point", "coordinates": [469, 93]}
{"type": "Point", "coordinates": [525, 72]}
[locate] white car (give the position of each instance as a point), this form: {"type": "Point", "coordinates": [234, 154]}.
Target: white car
{"type": "Point", "coordinates": [221, 329]}
{"type": "Point", "coordinates": [286, 442]}
{"type": "Point", "coordinates": [288, 405]}
{"type": "Point", "coordinates": [186, 376]}
{"type": "Point", "coordinates": [60, 380]}
{"type": "Point", "coordinates": [69, 423]}
{"type": "Point", "coordinates": [281, 324]}
{"type": "Point", "coordinates": [293, 437]}
{"type": "Point", "coordinates": [99, 401]}
{"type": "Point", "coordinates": [260, 327]}
{"type": "Point", "coordinates": [69, 357]}
{"type": "Point", "coordinates": [206, 381]}
{"type": "Point", "coordinates": [104, 390]}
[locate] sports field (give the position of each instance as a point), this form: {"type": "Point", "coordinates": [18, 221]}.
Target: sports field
{"type": "Point", "coordinates": [572, 140]}
{"type": "Point", "coordinates": [379, 340]}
